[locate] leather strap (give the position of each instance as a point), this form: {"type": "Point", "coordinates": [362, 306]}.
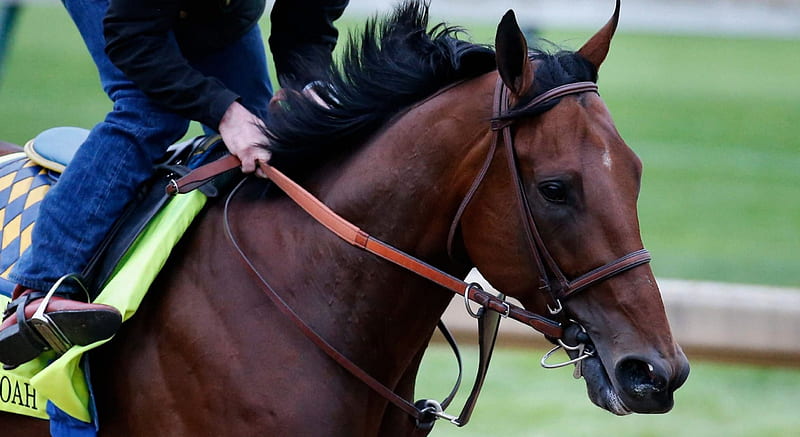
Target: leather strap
{"type": "Point", "coordinates": [309, 332]}
{"type": "Point", "coordinates": [553, 277]}
{"type": "Point", "coordinates": [488, 324]}
{"type": "Point", "coordinates": [627, 262]}
{"type": "Point", "coordinates": [203, 174]}
{"type": "Point", "coordinates": [560, 91]}
{"type": "Point", "coordinates": [559, 286]}
{"type": "Point", "coordinates": [355, 236]}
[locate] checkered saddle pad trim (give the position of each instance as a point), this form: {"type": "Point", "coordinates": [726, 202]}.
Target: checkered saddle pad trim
{"type": "Point", "coordinates": [23, 184]}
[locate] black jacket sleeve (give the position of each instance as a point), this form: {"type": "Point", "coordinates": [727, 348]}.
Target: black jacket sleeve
{"type": "Point", "coordinates": [141, 34]}
{"type": "Point", "coordinates": [139, 42]}
{"type": "Point", "coordinates": [302, 38]}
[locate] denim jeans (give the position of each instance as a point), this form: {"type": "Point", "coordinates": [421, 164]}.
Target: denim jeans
{"type": "Point", "coordinates": [118, 155]}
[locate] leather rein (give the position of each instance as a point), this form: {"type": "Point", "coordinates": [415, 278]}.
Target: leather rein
{"type": "Point", "coordinates": [553, 278]}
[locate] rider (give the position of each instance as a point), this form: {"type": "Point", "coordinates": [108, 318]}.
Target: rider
{"type": "Point", "coordinates": [162, 63]}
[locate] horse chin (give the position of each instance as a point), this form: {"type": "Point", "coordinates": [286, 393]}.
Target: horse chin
{"type": "Point", "coordinates": [600, 389]}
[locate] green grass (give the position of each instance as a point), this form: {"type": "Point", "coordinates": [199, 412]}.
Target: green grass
{"type": "Point", "coordinates": [49, 79]}
{"type": "Point", "coordinates": [520, 399]}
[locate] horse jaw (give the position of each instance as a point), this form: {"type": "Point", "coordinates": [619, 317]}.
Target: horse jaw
{"type": "Point", "coordinates": [599, 387]}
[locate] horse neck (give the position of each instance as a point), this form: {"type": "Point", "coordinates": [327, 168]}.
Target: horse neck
{"type": "Point", "coordinates": [404, 188]}
{"type": "Point", "coordinates": [406, 184]}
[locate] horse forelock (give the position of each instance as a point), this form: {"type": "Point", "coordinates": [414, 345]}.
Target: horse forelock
{"type": "Point", "coordinates": [553, 68]}
{"type": "Point", "coordinates": [392, 64]}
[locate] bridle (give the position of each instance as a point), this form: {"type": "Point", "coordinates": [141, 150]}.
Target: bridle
{"type": "Point", "coordinates": [554, 280]}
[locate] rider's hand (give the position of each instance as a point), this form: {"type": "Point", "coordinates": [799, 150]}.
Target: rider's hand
{"type": "Point", "coordinates": [242, 132]}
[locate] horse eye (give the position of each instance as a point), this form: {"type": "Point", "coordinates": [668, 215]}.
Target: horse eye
{"type": "Point", "coordinates": [553, 191]}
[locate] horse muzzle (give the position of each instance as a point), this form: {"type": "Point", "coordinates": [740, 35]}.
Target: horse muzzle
{"type": "Point", "coordinates": [635, 383]}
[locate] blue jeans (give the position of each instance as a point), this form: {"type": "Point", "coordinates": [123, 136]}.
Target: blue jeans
{"type": "Point", "coordinates": [119, 153]}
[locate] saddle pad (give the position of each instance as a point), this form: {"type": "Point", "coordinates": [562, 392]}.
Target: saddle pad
{"type": "Point", "coordinates": [23, 184]}
{"type": "Point", "coordinates": [17, 394]}
{"type": "Point", "coordinates": [62, 381]}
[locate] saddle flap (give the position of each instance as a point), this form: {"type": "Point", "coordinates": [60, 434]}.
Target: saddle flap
{"type": "Point", "coordinates": [54, 148]}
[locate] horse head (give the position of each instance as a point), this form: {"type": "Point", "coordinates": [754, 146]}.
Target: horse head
{"type": "Point", "coordinates": [579, 183]}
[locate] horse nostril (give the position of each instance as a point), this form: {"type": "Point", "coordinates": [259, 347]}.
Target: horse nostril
{"type": "Point", "coordinates": [640, 379]}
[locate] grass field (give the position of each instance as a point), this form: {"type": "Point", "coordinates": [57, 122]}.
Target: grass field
{"type": "Point", "coordinates": [716, 123]}
{"type": "Point", "coordinates": [520, 399]}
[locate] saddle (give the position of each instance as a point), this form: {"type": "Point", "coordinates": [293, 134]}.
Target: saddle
{"type": "Point", "coordinates": [25, 180]}
{"type": "Point", "coordinates": [142, 239]}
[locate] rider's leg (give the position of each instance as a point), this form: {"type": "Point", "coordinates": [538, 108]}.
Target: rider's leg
{"type": "Point", "coordinates": [103, 178]}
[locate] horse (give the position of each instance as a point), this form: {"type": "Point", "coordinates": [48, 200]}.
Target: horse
{"type": "Point", "coordinates": [410, 147]}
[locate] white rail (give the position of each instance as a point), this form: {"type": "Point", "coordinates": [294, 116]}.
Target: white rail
{"type": "Point", "coordinates": [728, 322]}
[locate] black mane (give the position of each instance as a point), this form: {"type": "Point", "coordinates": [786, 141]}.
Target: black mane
{"type": "Point", "coordinates": [555, 67]}
{"type": "Point", "coordinates": [390, 66]}
{"type": "Point", "coordinates": [394, 64]}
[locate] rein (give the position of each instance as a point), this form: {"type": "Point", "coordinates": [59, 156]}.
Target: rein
{"type": "Point", "coordinates": [559, 288]}
{"type": "Point", "coordinates": [358, 238]}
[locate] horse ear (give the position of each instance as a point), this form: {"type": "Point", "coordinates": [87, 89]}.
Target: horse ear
{"type": "Point", "coordinates": [512, 55]}
{"type": "Point", "coordinates": [596, 49]}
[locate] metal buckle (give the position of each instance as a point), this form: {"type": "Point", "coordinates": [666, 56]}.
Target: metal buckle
{"type": "Point", "coordinates": [476, 315]}
{"type": "Point", "coordinates": [470, 286]}
{"type": "Point", "coordinates": [507, 312]}
{"type": "Point", "coordinates": [172, 187]}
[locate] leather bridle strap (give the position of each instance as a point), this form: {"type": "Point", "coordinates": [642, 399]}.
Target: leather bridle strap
{"type": "Point", "coordinates": [559, 287]}
{"type": "Point", "coordinates": [355, 236]}
{"type": "Point", "coordinates": [627, 262]}
{"type": "Point", "coordinates": [202, 175]}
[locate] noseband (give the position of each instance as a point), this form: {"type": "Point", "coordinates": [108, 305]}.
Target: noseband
{"type": "Point", "coordinates": [552, 277]}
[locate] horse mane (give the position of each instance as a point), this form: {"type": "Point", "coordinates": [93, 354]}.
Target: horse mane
{"type": "Point", "coordinates": [391, 65]}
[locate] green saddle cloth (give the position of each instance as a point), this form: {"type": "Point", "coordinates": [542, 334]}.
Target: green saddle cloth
{"type": "Point", "coordinates": [26, 389]}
